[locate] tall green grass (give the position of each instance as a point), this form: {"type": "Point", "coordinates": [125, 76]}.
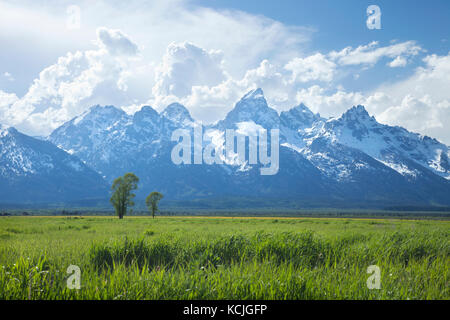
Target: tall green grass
{"type": "Point", "coordinates": [214, 258]}
{"type": "Point", "coordinates": [259, 265]}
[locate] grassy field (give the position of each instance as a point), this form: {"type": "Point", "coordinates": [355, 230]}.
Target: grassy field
{"type": "Point", "coordinates": [223, 258]}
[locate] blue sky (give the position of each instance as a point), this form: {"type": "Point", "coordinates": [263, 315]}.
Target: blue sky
{"type": "Point", "coordinates": [343, 23]}
{"type": "Point", "coordinates": [58, 60]}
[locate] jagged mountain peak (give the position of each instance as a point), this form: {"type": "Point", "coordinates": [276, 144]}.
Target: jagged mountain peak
{"type": "Point", "coordinates": [355, 124]}
{"type": "Point", "coordinates": [301, 108]}
{"type": "Point", "coordinates": [147, 109]}
{"type": "Point", "coordinates": [356, 118]}
{"type": "Point", "coordinates": [100, 113]}
{"type": "Point", "coordinates": [145, 113]}
{"type": "Point", "coordinates": [252, 107]}
{"type": "Point", "coordinates": [252, 102]}
{"type": "Point", "coordinates": [177, 113]}
{"type": "Point", "coordinates": [147, 118]}
{"type": "Point", "coordinates": [106, 109]}
{"type": "Point", "coordinates": [302, 111]}
{"type": "Point", "coordinates": [254, 94]}
{"type": "Point", "coordinates": [355, 112]}
{"type": "Point", "coordinates": [252, 99]}
{"type": "Point", "coordinates": [299, 117]}
{"type": "Point", "coordinates": [392, 145]}
{"type": "Point", "coordinates": [350, 150]}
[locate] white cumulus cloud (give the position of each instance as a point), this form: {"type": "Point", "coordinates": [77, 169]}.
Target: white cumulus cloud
{"type": "Point", "coordinates": [186, 65]}
{"type": "Point", "coordinates": [398, 62]}
{"type": "Point", "coordinates": [71, 85]}
{"type": "Point", "coordinates": [314, 67]}
{"type": "Point", "coordinates": [371, 53]}
{"type": "Point", "coordinates": [165, 51]}
{"type": "Point", "coordinates": [116, 42]}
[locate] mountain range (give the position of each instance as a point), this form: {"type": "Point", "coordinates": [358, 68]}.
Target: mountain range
{"type": "Point", "coordinates": [35, 171]}
{"type": "Point", "coordinates": [347, 161]}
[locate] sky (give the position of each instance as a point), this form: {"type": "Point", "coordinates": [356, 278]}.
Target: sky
{"type": "Point", "coordinates": [59, 58]}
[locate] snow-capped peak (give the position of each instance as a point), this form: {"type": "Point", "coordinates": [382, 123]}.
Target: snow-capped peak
{"type": "Point", "coordinates": [353, 149]}
{"type": "Point", "coordinates": [252, 101]}
{"type": "Point", "coordinates": [387, 144]}
{"type": "Point", "coordinates": [356, 112]}
{"type": "Point", "coordinates": [356, 120]}
{"type": "Point", "coordinates": [252, 107]}
{"type": "Point", "coordinates": [299, 117]}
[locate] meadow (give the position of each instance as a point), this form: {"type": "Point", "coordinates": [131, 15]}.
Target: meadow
{"type": "Point", "coordinates": [223, 258]}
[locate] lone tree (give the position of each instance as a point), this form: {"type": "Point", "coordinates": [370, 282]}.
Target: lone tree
{"type": "Point", "coordinates": [122, 196]}
{"type": "Point", "coordinates": [152, 202]}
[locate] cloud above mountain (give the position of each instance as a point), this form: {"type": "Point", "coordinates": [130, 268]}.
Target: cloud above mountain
{"type": "Point", "coordinates": [422, 102]}
{"type": "Point", "coordinates": [76, 81]}
{"type": "Point", "coordinates": [184, 66]}
{"type": "Point", "coordinates": [174, 51]}
{"type": "Point", "coordinates": [419, 102]}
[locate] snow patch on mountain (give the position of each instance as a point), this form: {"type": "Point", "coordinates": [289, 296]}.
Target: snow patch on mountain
{"type": "Point", "coordinates": [350, 150]}
{"type": "Point", "coordinates": [401, 168]}
{"type": "Point", "coordinates": [356, 129]}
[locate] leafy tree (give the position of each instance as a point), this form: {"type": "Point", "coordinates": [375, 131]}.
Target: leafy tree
{"type": "Point", "coordinates": [122, 196]}
{"type": "Point", "coordinates": [152, 202]}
